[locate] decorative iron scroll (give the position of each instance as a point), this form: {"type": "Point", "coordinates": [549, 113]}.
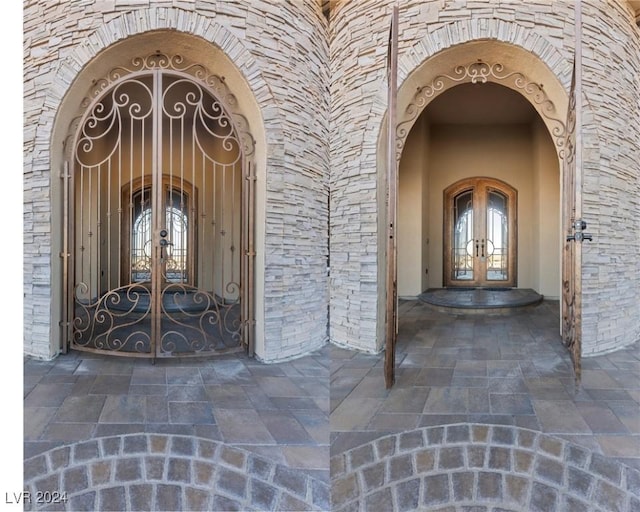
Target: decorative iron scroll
{"type": "Point", "coordinates": [214, 83]}
{"type": "Point", "coordinates": [104, 123]}
{"type": "Point", "coordinates": [482, 72]}
{"type": "Point", "coordinates": [211, 125]}
{"type": "Point", "coordinates": [193, 321]}
{"type": "Point", "coordinates": [118, 321]}
{"type": "Point", "coordinates": [197, 321]}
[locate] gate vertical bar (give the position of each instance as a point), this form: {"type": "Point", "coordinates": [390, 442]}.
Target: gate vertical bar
{"type": "Point", "coordinates": [392, 184]}
{"type": "Point", "coordinates": [156, 214]}
{"type": "Point", "coordinates": [247, 278]}
{"type": "Point", "coordinates": [67, 302]}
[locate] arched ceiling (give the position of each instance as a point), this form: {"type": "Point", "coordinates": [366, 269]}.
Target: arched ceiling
{"type": "Point", "coordinates": [488, 103]}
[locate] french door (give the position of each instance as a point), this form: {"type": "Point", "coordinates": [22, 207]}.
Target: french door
{"type": "Point", "coordinates": [480, 234]}
{"type": "Point", "coordinates": [159, 221]}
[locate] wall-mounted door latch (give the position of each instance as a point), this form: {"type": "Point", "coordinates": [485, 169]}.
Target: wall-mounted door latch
{"type": "Point", "coordinates": [579, 236]}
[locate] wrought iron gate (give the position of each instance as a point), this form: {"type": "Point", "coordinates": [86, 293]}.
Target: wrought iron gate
{"type": "Point", "coordinates": [159, 216]}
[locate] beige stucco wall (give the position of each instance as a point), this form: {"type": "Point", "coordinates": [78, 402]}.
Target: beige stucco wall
{"type": "Point", "coordinates": [547, 238]}
{"type": "Point", "coordinates": [413, 217]}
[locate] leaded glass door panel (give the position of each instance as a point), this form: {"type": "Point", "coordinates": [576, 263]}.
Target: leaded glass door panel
{"type": "Point", "coordinates": [159, 219]}
{"type": "Point", "coordinates": [480, 234]}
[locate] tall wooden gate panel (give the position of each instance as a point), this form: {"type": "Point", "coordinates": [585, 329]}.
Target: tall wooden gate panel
{"type": "Point", "coordinates": [392, 200]}
{"type": "Point", "coordinates": [573, 225]}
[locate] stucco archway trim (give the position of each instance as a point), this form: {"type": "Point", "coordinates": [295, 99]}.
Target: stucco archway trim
{"type": "Point", "coordinates": [132, 24]}
{"type": "Point", "coordinates": [472, 39]}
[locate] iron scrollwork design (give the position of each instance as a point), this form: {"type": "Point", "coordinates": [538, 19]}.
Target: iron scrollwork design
{"type": "Point", "coordinates": [198, 321]}
{"type": "Point", "coordinates": [480, 72]}
{"type": "Point", "coordinates": [215, 83]}
{"type": "Point", "coordinates": [117, 321]}
{"type": "Point", "coordinates": [211, 126]}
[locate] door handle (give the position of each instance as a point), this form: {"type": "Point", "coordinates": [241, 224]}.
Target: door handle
{"type": "Point", "coordinates": [477, 248]}
{"type": "Point", "coordinates": [482, 245]}
{"type": "Point", "coordinates": [163, 243]}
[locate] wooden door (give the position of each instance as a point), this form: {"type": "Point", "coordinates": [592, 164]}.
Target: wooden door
{"type": "Point", "coordinates": [480, 238]}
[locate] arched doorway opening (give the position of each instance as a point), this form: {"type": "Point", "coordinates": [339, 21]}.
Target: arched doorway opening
{"type": "Point", "coordinates": [479, 195]}
{"type": "Point", "coordinates": [159, 215]}
{"type": "Point", "coordinates": [525, 74]}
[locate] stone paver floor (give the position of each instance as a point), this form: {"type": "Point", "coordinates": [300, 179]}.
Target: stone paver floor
{"type": "Point", "coordinates": [166, 472]}
{"type": "Point", "coordinates": [228, 433]}
{"type": "Point", "coordinates": [474, 467]}
{"type": "Point", "coordinates": [510, 371]}
{"type": "Point", "coordinates": [485, 415]}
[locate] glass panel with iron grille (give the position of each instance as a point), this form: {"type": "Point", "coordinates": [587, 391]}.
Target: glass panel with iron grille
{"type": "Point", "coordinates": [176, 262]}
{"type": "Point", "coordinates": [176, 253]}
{"type": "Point", "coordinates": [462, 245]}
{"type": "Point", "coordinates": [497, 236]}
{"type": "Point", "coordinates": [141, 230]}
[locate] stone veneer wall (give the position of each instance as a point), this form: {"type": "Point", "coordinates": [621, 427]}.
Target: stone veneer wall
{"type": "Point", "coordinates": [281, 49]}
{"type": "Point", "coordinates": [271, 41]}
{"type": "Point", "coordinates": [611, 187]}
{"type": "Point", "coordinates": [359, 33]}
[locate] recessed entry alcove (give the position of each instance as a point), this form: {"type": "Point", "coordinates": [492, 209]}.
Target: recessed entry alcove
{"type": "Point", "coordinates": [479, 195]}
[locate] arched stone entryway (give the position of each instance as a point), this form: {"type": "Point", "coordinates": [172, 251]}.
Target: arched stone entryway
{"type": "Point", "coordinates": [227, 85]}
{"type": "Point", "coordinates": [530, 69]}
{"type": "Point", "coordinates": [476, 62]}
{"type": "Point", "coordinates": [291, 167]}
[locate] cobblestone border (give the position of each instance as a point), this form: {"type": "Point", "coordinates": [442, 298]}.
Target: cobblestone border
{"type": "Point", "coordinates": [481, 468]}
{"type": "Point", "coordinates": [168, 472]}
